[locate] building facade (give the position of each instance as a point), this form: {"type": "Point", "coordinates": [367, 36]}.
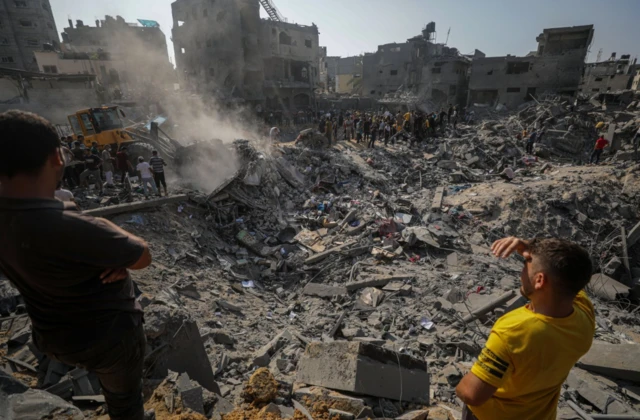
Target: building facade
{"type": "Point", "coordinates": [223, 48]}
{"type": "Point", "coordinates": [25, 26]}
{"type": "Point", "coordinates": [430, 71]}
{"type": "Point", "coordinates": [608, 76]}
{"type": "Point", "coordinates": [555, 67]}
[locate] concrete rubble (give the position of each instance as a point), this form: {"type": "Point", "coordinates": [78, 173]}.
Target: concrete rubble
{"type": "Point", "coordinates": [344, 282]}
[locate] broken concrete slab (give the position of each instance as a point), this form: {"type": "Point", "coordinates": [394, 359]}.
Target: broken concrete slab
{"type": "Point", "coordinates": [365, 369]}
{"type": "Point", "coordinates": [437, 199]}
{"type": "Point", "coordinates": [377, 280]}
{"type": "Point", "coordinates": [501, 300]}
{"type": "Point", "coordinates": [315, 394]}
{"type": "Point", "coordinates": [262, 357]}
{"type": "Point", "coordinates": [607, 288]}
{"type": "Point", "coordinates": [186, 353]}
{"type": "Point", "coordinates": [139, 205]}
{"type": "Point", "coordinates": [324, 290]}
{"type": "Point", "coordinates": [414, 415]}
{"type": "Point", "coordinates": [613, 360]}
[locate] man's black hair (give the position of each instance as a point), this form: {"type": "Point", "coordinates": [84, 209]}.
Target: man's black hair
{"type": "Point", "coordinates": [26, 140]}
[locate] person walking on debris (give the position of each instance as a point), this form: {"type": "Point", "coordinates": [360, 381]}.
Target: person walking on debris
{"type": "Point", "coordinates": [144, 169]}
{"type": "Point", "coordinates": [158, 164]}
{"type": "Point", "coordinates": [531, 141]}
{"type": "Point", "coordinates": [530, 350]}
{"type": "Point", "coordinates": [122, 160]}
{"type": "Point", "coordinates": [92, 164]}
{"type": "Point", "coordinates": [71, 269]}
{"type": "Point", "coordinates": [601, 143]}
{"type": "Point", "coordinates": [107, 164]}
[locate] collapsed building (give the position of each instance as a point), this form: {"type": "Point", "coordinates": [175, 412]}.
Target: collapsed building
{"type": "Point", "coordinates": [420, 66]}
{"type": "Point", "coordinates": [608, 76]}
{"type": "Point", "coordinates": [555, 67]}
{"type": "Point", "coordinates": [226, 49]}
{"type": "Point", "coordinates": [25, 26]}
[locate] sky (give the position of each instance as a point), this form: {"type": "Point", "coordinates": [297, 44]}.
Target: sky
{"type": "Point", "coordinates": [351, 27]}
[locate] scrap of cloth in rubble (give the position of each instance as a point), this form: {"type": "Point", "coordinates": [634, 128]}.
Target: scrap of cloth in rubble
{"type": "Point", "coordinates": [528, 356]}
{"type": "Point", "coordinates": [54, 255]}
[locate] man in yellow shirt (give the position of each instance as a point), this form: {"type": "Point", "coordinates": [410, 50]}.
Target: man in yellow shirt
{"type": "Point", "coordinates": [531, 350]}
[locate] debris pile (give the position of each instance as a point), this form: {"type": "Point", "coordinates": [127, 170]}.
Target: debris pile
{"type": "Point", "coordinates": [344, 283]}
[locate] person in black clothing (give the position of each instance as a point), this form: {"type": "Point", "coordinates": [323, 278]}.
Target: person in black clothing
{"type": "Point", "coordinates": [71, 269]}
{"type": "Point", "coordinates": [372, 140]}
{"type": "Point", "coordinates": [449, 114]}
{"type": "Point", "coordinates": [367, 128]}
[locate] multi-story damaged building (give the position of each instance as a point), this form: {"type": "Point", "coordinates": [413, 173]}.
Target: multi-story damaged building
{"type": "Point", "coordinates": [555, 67]}
{"type": "Point", "coordinates": [25, 26]}
{"type": "Point", "coordinates": [123, 56]}
{"type": "Point", "coordinates": [608, 76]}
{"type": "Point", "coordinates": [224, 48]}
{"type": "Point", "coordinates": [421, 66]}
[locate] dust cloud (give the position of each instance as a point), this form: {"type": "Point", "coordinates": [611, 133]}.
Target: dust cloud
{"type": "Point", "coordinates": [192, 118]}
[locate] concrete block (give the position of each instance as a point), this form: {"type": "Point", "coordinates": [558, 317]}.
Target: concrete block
{"type": "Point", "coordinates": [614, 360]}
{"type": "Point", "coordinates": [324, 290]}
{"type": "Point", "coordinates": [364, 369]}
{"type": "Point", "coordinates": [437, 199]}
{"type": "Point", "coordinates": [263, 356]}
{"type": "Point", "coordinates": [607, 288]}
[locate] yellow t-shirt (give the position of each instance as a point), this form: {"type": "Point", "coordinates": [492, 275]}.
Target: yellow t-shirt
{"type": "Point", "coordinates": [528, 356]}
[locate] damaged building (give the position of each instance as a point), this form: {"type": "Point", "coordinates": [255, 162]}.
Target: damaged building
{"type": "Point", "coordinates": [555, 67]}
{"type": "Point", "coordinates": [25, 26]}
{"type": "Point", "coordinates": [421, 66]}
{"type": "Point", "coordinates": [226, 49]}
{"type": "Point", "coordinates": [123, 56]}
{"type": "Point", "coordinates": [609, 76]}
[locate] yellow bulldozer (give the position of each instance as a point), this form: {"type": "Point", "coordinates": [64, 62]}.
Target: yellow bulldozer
{"type": "Point", "coordinates": [105, 126]}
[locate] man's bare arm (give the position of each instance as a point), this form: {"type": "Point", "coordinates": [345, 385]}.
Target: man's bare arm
{"type": "Point", "coordinates": [474, 391]}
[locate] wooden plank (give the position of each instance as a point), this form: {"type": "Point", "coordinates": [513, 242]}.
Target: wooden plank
{"type": "Point", "coordinates": [139, 205]}
{"type": "Point", "coordinates": [437, 199]}
{"type": "Point", "coordinates": [625, 256]}
{"type": "Point", "coordinates": [21, 364]}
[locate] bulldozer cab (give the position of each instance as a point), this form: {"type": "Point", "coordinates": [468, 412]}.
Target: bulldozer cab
{"type": "Point", "coordinates": [101, 125]}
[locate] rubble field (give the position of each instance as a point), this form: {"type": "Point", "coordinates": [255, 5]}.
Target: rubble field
{"type": "Point", "coordinates": [351, 283]}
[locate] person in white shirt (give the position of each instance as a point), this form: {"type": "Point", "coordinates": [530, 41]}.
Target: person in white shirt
{"type": "Point", "coordinates": [62, 194]}
{"type": "Point", "coordinates": [274, 134]}
{"type": "Point", "coordinates": [146, 176]}
{"type": "Point", "coordinates": [507, 174]}
{"type": "Point", "coordinates": [107, 165]}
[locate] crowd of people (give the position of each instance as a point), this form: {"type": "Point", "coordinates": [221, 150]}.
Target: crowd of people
{"type": "Point", "coordinates": [412, 126]}
{"type": "Point", "coordinates": [89, 165]}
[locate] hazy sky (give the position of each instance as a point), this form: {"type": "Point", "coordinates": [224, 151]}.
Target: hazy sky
{"type": "Point", "coordinates": [349, 27]}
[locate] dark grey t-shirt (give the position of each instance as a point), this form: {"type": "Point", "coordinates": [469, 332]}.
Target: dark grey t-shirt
{"type": "Point", "coordinates": [54, 255]}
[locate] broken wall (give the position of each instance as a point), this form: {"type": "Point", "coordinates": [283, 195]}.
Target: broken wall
{"type": "Point", "coordinates": [445, 80]}
{"type": "Point", "coordinates": [386, 70]}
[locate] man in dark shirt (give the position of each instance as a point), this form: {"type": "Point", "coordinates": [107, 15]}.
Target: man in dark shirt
{"type": "Point", "coordinates": [71, 269]}
{"type": "Point", "coordinates": [92, 163]}
{"type": "Point", "coordinates": [122, 161]}
{"type": "Point", "coordinates": [157, 165]}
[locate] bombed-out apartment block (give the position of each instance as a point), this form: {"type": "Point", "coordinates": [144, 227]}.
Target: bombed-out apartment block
{"type": "Point", "coordinates": [348, 75]}
{"type": "Point", "coordinates": [421, 66]}
{"type": "Point", "coordinates": [25, 26]}
{"type": "Point", "coordinates": [609, 76]}
{"type": "Point", "coordinates": [224, 47]}
{"type": "Point", "coordinates": [123, 56]}
{"type": "Point", "coordinates": [555, 67]}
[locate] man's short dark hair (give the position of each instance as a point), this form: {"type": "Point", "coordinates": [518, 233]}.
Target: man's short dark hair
{"type": "Point", "coordinates": [566, 263]}
{"type": "Point", "coordinates": [26, 140]}
{"type": "Point", "coordinates": [155, 152]}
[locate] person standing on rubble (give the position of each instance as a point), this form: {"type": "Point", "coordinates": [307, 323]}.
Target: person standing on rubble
{"type": "Point", "coordinates": [328, 130]}
{"type": "Point", "coordinates": [146, 177]}
{"type": "Point", "coordinates": [372, 138]}
{"type": "Point", "coordinates": [92, 164]}
{"type": "Point", "coordinates": [107, 164]}
{"type": "Point", "coordinates": [348, 128]}
{"type": "Point", "coordinates": [601, 143]}
{"type": "Point", "coordinates": [71, 269]}
{"type": "Point", "coordinates": [450, 113]}
{"type": "Point", "coordinates": [530, 350]}
{"type": "Point", "coordinates": [157, 165]}
{"type": "Point", "coordinates": [123, 163]}
{"type": "Point", "coordinates": [531, 141]}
